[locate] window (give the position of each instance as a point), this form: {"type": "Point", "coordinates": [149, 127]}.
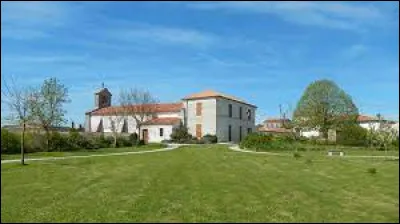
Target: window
{"type": "Point", "coordinates": [248, 130]}
{"type": "Point", "coordinates": [125, 126]}
{"type": "Point", "coordinates": [230, 110]}
{"type": "Point", "coordinates": [240, 113]}
{"type": "Point", "coordinates": [249, 114]}
{"type": "Point", "coordinates": [240, 133]}
{"type": "Point", "coordinates": [198, 109]}
{"type": "Point", "coordinates": [229, 133]}
{"type": "Point", "coordinates": [161, 132]}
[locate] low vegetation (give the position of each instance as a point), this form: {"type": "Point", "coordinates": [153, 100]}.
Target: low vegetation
{"type": "Point", "coordinates": [63, 142]}
{"type": "Point", "coordinates": [181, 135]}
{"type": "Point", "coordinates": [262, 142]}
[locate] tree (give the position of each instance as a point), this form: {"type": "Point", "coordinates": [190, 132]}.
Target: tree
{"type": "Point", "coordinates": [325, 106]}
{"type": "Point", "coordinates": [48, 105]}
{"type": "Point", "coordinates": [117, 120]}
{"type": "Point", "coordinates": [138, 104]}
{"type": "Point", "coordinates": [18, 99]}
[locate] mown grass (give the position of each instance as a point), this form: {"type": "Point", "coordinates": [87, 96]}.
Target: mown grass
{"type": "Point", "coordinates": [213, 184]}
{"type": "Point", "coordinates": [85, 152]}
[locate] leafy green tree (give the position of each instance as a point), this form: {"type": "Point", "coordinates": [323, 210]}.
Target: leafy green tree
{"type": "Point", "coordinates": [48, 106]}
{"type": "Point", "coordinates": [324, 106]}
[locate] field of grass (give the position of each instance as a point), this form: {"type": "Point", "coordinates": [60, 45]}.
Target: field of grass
{"type": "Point", "coordinates": [201, 184]}
{"type": "Point", "coordinates": [85, 152]}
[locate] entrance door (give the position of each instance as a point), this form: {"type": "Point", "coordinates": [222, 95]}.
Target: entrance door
{"type": "Point", "coordinates": [146, 135]}
{"type": "Point", "coordinates": [198, 131]}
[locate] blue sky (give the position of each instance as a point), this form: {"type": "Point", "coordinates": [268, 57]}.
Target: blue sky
{"type": "Point", "coordinates": [264, 52]}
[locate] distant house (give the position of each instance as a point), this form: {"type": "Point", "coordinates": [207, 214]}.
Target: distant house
{"type": "Point", "coordinates": [275, 126]}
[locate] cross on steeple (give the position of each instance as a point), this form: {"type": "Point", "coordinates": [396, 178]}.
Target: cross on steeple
{"type": "Point", "coordinates": [102, 85]}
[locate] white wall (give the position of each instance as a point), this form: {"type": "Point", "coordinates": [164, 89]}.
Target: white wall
{"type": "Point", "coordinates": [309, 133]}
{"type": "Point", "coordinates": [169, 114]}
{"type": "Point", "coordinates": [370, 125]}
{"type": "Point", "coordinates": [95, 121]}
{"type": "Point", "coordinates": [223, 120]}
{"type": "Point", "coordinates": [207, 118]}
{"type": "Point", "coordinates": [154, 132]}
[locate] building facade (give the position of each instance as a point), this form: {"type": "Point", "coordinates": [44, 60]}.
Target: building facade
{"type": "Point", "coordinates": [207, 112]}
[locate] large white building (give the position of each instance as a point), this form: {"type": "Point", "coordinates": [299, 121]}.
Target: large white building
{"type": "Point", "coordinates": [208, 112]}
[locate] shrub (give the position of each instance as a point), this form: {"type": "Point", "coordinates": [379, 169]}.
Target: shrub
{"type": "Point", "coordinates": [180, 134]}
{"type": "Point", "coordinates": [123, 142]}
{"type": "Point", "coordinates": [35, 142]}
{"type": "Point", "coordinates": [10, 142]}
{"type": "Point", "coordinates": [256, 140]}
{"type": "Point", "coordinates": [352, 135]}
{"type": "Point", "coordinates": [140, 142]}
{"type": "Point", "coordinates": [208, 139]}
{"type": "Point", "coordinates": [372, 170]}
{"type": "Point", "coordinates": [133, 138]}
{"type": "Point", "coordinates": [58, 142]}
{"type": "Point", "coordinates": [165, 141]}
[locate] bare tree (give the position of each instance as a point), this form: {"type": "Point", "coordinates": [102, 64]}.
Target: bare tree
{"type": "Point", "coordinates": [138, 104]}
{"type": "Point", "coordinates": [48, 106]}
{"type": "Point", "coordinates": [117, 121]}
{"type": "Point", "coordinates": [18, 99]}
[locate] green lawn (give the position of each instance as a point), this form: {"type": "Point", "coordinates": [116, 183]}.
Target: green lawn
{"type": "Point", "coordinates": [85, 152]}
{"type": "Point", "coordinates": [201, 184]}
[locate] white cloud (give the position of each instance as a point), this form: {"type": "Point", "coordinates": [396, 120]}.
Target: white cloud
{"type": "Point", "coordinates": [327, 14]}
{"type": "Point", "coordinates": [164, 35]}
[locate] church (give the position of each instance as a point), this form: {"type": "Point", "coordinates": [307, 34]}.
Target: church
{"type": "Point", "coordinates": [207, 112]}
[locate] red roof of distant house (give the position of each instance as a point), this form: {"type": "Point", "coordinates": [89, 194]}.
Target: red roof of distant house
{"type": "Point", "coordinates": [163, 121]}
{"type": "Point", "coordinates": [275, 130]}
{"type": "Point", "coordinates": [274, 120]}
{"type": "Point", "coordinates": [158, 108]}
{"type": "Point", "coordinates": [364, 118]}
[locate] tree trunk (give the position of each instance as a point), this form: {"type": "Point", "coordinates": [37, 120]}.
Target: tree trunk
{"type": "Point", "coordinates": [23, 144]}
{"type": "Point", "coordinates": [115, 140]}
{"type": "Point", "coordinates": [140, 134]}
{"type": "Point", "coordinates": [47, 140]}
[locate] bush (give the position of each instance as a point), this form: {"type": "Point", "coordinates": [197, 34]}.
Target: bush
{"type": "Point", "coordinates": [59, 142]}
{"type": "Point", "coordinates": [133, 138]}
{"type": "Point", "coordinates": [257, 141]}
{"type": "Point", "coordinates": [123, 142]}
{"type": "Point", "coordinates": [10, 142]}
{"type": "Point", "coordinates": [140, 142]}
{"type": "Point", "coordinates": [208, 139]}
{"type": "Point", "coordinates": [35, 142]}
{"type": "Point", "coordinates": [180, 134]}
{"type": "Point", "coordinates": [372, 170]}
{"type": "Point", "coordinates": [352, 135]}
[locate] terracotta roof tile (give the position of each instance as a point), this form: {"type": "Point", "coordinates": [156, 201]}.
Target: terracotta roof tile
{"type": "Point", "coordinates": [276, 130]}
{"type": "Point", "coordinates": [362, 118]}
{"type": "Point", "coordinates": [212, 93]}
{"type": "Point", "coordinates": [272, 120]}
{"type": "Point", "coordinates": [163, 121]}
{"type": "Point", "coordinates": [159, 108]}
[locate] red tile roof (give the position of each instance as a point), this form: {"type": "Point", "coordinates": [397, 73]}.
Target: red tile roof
{"type": "Point", "coordinates": [275, 130]}
{"type": "Point", "coordinates": [274, 120]}
{"type": "Point", "coordinates": [163, 121]}
{"type": "Point", "coordinates": [159, 108]}
{"type": "Point", "coordinates": [212, 93]}
{"type": "Point", "coordinates": [364, 118]}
